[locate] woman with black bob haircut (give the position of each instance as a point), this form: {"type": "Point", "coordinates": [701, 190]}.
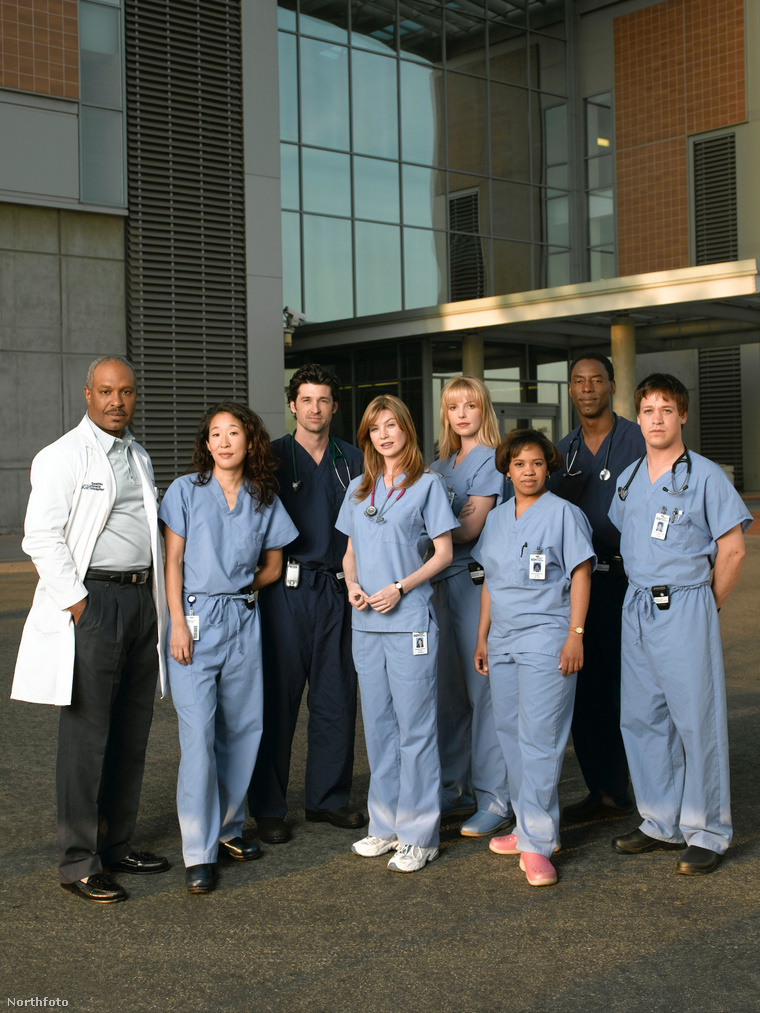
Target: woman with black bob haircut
{"type": "Point", "coordinates": [224, 529]}
{"type": "Point", "coordinates": [391, 515]}
{"type": "Point", "coordinates": [537, 554]}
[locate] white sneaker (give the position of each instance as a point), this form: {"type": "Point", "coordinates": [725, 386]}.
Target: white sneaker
{"type": "Point", "coordinates": [411, 858]}
{"type": "Point", "coordinates": [371, 847]}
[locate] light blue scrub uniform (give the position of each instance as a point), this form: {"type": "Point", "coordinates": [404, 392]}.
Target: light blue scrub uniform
{"type": "Point", "coordinates": [218, 696]}
{"type": "Point", "coordinates": [398, 688]}
{"type": "Point", "coordinates": [673, 694]}
{"type": "Point", "coordinates": [471, 756]}
{"type": "Point", "coordinates": [530, 621]}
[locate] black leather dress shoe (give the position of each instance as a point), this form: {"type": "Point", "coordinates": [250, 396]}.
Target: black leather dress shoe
{"type": "Point", "coordinates": [637, 842]}
{"type": "Point", "coordinates": [141, 862]}
{"type": "Point", "coordinates": [593, 807]}
{"type": "Point", "coordinates": [348, 819]}
{"type": "Point", "coordinates": [696, 861]}
{"type": "Point", "coordinates": [240, 850]}
{"type": "Point", "coordinates": [200, 878]}
{"type": "Point", "coordinates": [100, 889]}
{"type": "Point", "coordinates": [272, 829]}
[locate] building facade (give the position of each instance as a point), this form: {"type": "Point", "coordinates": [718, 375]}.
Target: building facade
{"type": "Point", "coordinates": [487, 185]}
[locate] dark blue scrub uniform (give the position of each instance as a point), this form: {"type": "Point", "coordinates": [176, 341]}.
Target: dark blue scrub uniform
{"type": "Point", "coordinates": [596, 717]}
{"type": "Point", "coordinates": [306, 635]}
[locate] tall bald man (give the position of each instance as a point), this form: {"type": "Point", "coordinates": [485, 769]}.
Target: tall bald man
{"type": "Point", "coordinates": [93, 641]}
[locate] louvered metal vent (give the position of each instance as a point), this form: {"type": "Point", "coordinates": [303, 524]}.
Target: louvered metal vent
{"type": "Point", "coordinates": [186, 282]}
{"type": "Point", "coordinates": [715, 218]}
{"type": "Point", "coordinates": [467, 267]}
{"type": "Point", "coordinates": [720, 408]}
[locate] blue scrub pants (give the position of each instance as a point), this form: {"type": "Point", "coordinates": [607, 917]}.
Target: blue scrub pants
{"type": "Point", "coordinates": [469, 749]}
{"type": "Point", "coordinates": [218, 699]}
{"type": "Point", "coordinates": [673, 717]}
{"type": "Point", "coordinates": [306, 636]}
{"type": "Point", "coordinates": [533, 708]}
{"type": "Point", "coordinates": [398, 695]}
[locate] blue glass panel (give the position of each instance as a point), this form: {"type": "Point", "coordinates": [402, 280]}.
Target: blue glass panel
{"type": "Point", "coordinates": [291, 260]}
{"type": "Point", "coordinates": [326, 182]}
{"type": "Point", "coordinates": [422, 123]}
{"type": "Point", "coordinates": [378, 268]}
{"type": "Point", "coordinates": [102, 156]}
{"type": "Point", "coordinates": [100, 55]}
{"type": "Point", "coordinates": [424, 197]}
{"type": "Point", "coordinates": [324, 94]}
{"type": "Point", "coordinates": [376, 189]}
{"type": "Point", "coordinates": [289, 189]}
{"type": "Point", "coordinates": [467, 123]}
{"type": "Point", "coordinates": [557, 221]}
{"type": "Point", "coordinates": [327, 268]}
{"type": "Point", "coordinates": [330, 22]}
{"type": "Point", "coordinates": [288, 68]}
{"type": "Point", "coordinates": [375, 104]}
{"type": "Point", "coordinates": [425, 270]}
{"type": "Point", "coordinates": [286, 18]}
{"type": "Point", "coordinates": [601, 218]}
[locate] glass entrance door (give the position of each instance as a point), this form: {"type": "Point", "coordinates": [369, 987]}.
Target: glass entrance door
{"type": "Point", "coordinates": [543, 417]}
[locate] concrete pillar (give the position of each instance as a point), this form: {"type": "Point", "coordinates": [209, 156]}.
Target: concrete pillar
{"type": "Point", "coordinates": [472, 355]}
{"type": "Point", "coordinates": [623, 339]}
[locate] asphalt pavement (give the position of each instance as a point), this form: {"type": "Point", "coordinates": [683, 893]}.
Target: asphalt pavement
{"type": "Point", "coordinates": [314, 928]}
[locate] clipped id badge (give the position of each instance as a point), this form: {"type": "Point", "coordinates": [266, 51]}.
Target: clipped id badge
{"type": "Point", "coordinates": [419, 643]}
{"type": "Point", "coordinates": [660, 526]}
{"type": "Point", "coordinates": [537, 566]}
{"type": "Point", "coordinates": [193, 621]}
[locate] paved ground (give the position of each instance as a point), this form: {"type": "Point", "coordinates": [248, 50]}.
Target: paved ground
{"type": "Point", "coordinates": [313, 928]}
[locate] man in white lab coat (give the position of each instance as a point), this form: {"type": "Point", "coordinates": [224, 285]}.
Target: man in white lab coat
{"type": "Point", "coordinates": [93, 641]}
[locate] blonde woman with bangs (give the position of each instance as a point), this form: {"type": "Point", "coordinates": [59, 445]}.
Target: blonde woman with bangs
{"type": "Point", "coordinates": [472, 762]}
{"type": "Point", "coordinates": [392, 515]}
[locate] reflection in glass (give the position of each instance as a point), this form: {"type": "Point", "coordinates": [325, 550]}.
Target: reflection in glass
{"type": "Point", "coordinates": [100, 52]}
{"type": "Point", "coordinates": [469, 204]}
{"type": "Point", "coordinates": [469, 274]}
{"type": "Point", "coordinates": [547, 65]}
{"type": "Point", "coordinates": [558, 221]}
{"type": "Point", "coordinates": [286, 14]}
{"type": "Point", "coordinates": [327, 268]}
{"type": "Point", "coordinates": [510, 132]}
{"type": "Point", "coordinates": [600, 172]}
{"type": "Point", "coordinates": [375, 104]}
{"type": "Point", "coordinates": [378, 268]}
{"type": "Point", "coordinates": [376, 189]}
{"type": "Point", "coordinates": [555, 125]}
{"type": "Point", "coordinates": [372, 27]}
{"type": "Point", "coordinates": [547, 17]}
{"type": "Point", "coordinates": [324, 94]}
{"type": "Point", "coordinates": [330, 20]}
{"type": "Point", "coordinates": [288, 67]}
{"type": "Point", "coordinates": [557, 268]}
{"type": "Point", "coordinates": [558, 176]}
{"type": "Point", "coordinates": [465, 41]}
{"type": "Point", "coordinates": [424, 197]}
{"type": "Point", "coordinates": [512, 269]}
{"type": "Point", "coordinates": [291, 260]}
{"type": "Point", "coordinates": [602, 264]}
{"type": "Point", "coordinates": [424, 268]}
{"type": "Point", "coordinates": [510, 13]}
{"type": "Point", "coordinates": [508, 54]}
{"type": "Point", "coordinates": [289, 188]}
{"type": "Point", "coordinates": [599, 125]}
{"type": "Point", "coordinates": [601, 218]}
{"type": "Point", "coordinates": [421, 114]}
{"type": "Point", "coordinates": [467, 123]}
{"type": "Point", "coordinates": [326, 182]}
{"type": "Point", "coordinates": [102, 156]}
{"type": "Point", "coordinates": [420, 32]}
{"type": "Point", "coordinates": [513, 207]}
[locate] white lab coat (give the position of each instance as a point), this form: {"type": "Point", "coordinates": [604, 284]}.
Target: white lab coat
{"type": "Point", "coordinates": [73, 492]}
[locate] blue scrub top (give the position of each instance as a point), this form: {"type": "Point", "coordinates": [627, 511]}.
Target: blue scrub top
{"type": "Point", "coordinates": [476, 475]}
{"type": "Point", "coordinates": [587, 490]}
{"type": "Point", "coordinates": [222, 546]}
{"type": "Point", "coordinates": [314, 508]}
{"type": "Point", "coordinates": [392, 550]}
{"type": "Point", "coordinates": [711, 507]}
{"type": "Point", "coordinates": [532, 616]}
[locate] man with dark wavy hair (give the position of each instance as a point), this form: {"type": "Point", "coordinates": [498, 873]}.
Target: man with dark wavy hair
{"type": "Point", "coordinates": [306, 624]}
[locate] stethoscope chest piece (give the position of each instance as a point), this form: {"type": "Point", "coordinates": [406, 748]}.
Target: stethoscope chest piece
{"type": "Point", "coordinates": [296, 485]}
{"type": "Point", "coordinates": [370, 511]}
{"type": "Point", "coordinates": [605, 474]}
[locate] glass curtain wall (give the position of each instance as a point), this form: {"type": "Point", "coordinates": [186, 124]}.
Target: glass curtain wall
{"type": "Point", "coordinates": [424, 152]}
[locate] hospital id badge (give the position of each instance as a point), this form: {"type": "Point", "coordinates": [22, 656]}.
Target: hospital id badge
{"type": "Point", "coordinates": [660, 526]}
{"type": "Point", "coordinates": [194, 625]}
{"type": "Point", "coordinates": [419, 643]}
{"type": "Point", "coordinates": [538, 566]}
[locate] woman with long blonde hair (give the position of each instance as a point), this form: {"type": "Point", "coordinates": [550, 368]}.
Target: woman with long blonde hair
{"type": "Point", "coordinates": [392, 515]}
{"type": "Point", "coordinates": [472, 762]}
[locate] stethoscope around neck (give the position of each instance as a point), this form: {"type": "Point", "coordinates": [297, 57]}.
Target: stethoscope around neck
{"type": "Point", "coordinates": [376, 514]}
{"type": "Point", "coordinates": [604, 474]}
{"type": "Point", "coordinates": [672, 491]}
{"type": "Point", "coordinates": [336, 454]}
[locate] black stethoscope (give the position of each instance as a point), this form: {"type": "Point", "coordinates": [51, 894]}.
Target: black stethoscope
{"type": "Point", "coordinates": [604, 474]}
{"type": "Point", "coordinates": [377, 515]}
{"type": "Point", "coordinates": [336, 455]}
{"type": "Point", "coordinates": [672, 491]}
